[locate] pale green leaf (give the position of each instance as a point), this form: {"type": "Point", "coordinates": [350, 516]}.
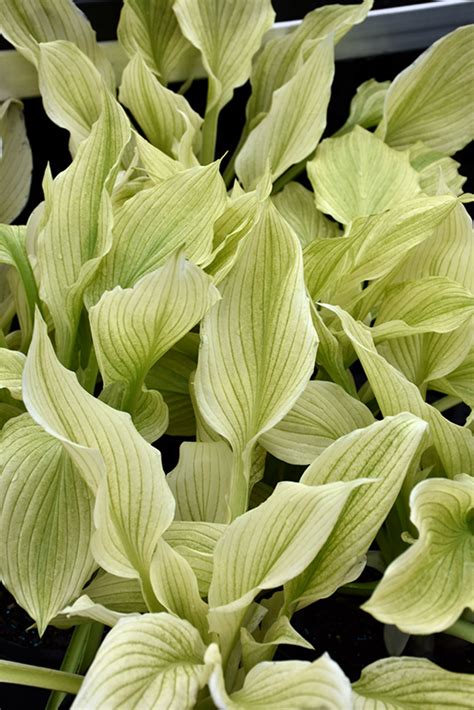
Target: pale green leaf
{"type": "Point", "coordinates": [156, 660]}
{"type": "Point", "coordinates": [116, 593]}
{"type": "Point", "coordinates": [196, 542]}
{"type": "Point", "coordinates": [157, 164]}
{"type": "Point", "coordinates": [279, 60]}
{"type": "Point", "coordinates": [459, 382]}
{"type": "Point", "coordinates": [77, 230]}
{"type": "Point", "coordinates": [258, 343]}
{"type": "Point", "coordinates": [280, 632]}
{"type": "Point", "coordinates": [383, 453]}
{"type": "Point", "coordinates": [322, 414]}
{"type": "Point", "coordinates": [227, 34]}
{"type": "Point", "coordinates": [148, 408]}
{"type": "Point", "coordinates": [150, 28]}
{"type": "Point", "coordinates": [271, 544]}
{"type": "Point", "coordinates": [201, 481]}
{"type": "Point", "coordinates": [26, 25]}
{"type": "Point", "coordinates": [413, 683]}
{"type": "Point", "coordinates": [433, 304]}
{"type": "Point", "coordinates": [134, 504]}
{"type": "Point", "coordinates": [298, 207]}
{"type": "Point", "coordinates": [342, 175]}
{"type": "Point", "coordinates": [284, 684]}
{"type": "Point", "coordinates": [176, 587]}
{"type": "Point", "coordinates": [162, 114]}
{"type": "Point", "coordinates": [431, 164]}
{"type": "Point", "coordinates": [11, 371]}
{"type": "Point", "coordinates": [16, 162]}
{"type": "Point", "coordinates": [152, 225]}
{"type": "Point", "coordinates": [366, 106]}
{"type": "Point", "coordinates": [394, 393]}
{"type": "Point", "coordinates": [132, 328]}
{"type": "Point", "coordinates": [433, 93]}
{"type": "Point", "coordinates": [330, 355]}
{"type": "Point", "coordinates": [293, 126]}
{"type": "Point", "coordinates": [427, 588]}
{"type": "Point", "coordinates": [71, 88]}
{"type": "Point", "coordinates": [46, 521]}
{"type": "Point", "coordinates": [83, 611]}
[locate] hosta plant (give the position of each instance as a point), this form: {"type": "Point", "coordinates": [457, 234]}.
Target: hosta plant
{"type": "Point", "coordinates": [299, 312]}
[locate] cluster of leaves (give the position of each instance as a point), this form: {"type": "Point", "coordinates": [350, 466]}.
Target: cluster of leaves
{"type": "Point", "coordinates": [144, 297]}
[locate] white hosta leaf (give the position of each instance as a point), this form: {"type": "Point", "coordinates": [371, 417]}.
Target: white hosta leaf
{"type": "Point", "coordinates": [176, 587]}
{"type": "Point", "coordinates": [227, 34]}
{"type": "Point", "coordinates": [394, 393]}
{"type": "Point", "coordinates": [84, 610]}
{"type": "Point", "coordinates": [297, 206]}
{"type": "Point", "coordinates": [280, 632]}
{"type": "Point", "coordinates": [382, 452]}
{"type": "Point", "coordinates": [116, 593]}
{"type": "Point", "coordinates": [157, 164]}
{"type": "Point", "coordinates": [147, 407]}
{"type": "Point", "coordinates": [448, 251]}
{"type": "Point", "coordinates": [77, 231]}
{"type": "Point", "coordinates": [16, 162]}
{"type": "Point", "coordinates": [433, 304]}
{"type": "Point", "coordinates": [271, 544]}
{"type": "Point", "coordinates": [366, 105]}
{"type": "Point", "coordinates": [162, 114]}
{"type": "Point", "coordinates": [284, 684]}
{"type": "Point", "coordinates": [156, 660]}
{"type": "Point", "coordinates": [280, 59]}
{"type": "Point", "coordinates": [322, 414]}
{"type": "Point", "coordinates": [434, 92]}
{"type": "Point", "coordinates": [258, 343]}
{"type": "Point", "coordinates": [411, 683]}
{"type": "Point", "coordinates": [134, 503]}
{"type": "Point", "coordinates": [201, 481]}
{"type": "Point", "coordinates": [132, 328]}
{"type": "Point", "coordinates": [71, 88]}
{"type": "Point", "coordinates": [409, 594]}
{"type": "Point", "coordinates": [46, 521]}
{"type": "Point", "coordinates": [342, 175]}
{"type": "Point", "coordinates": [11, 371]}
{"type": "Point", "coordinates": [150, 227]}
{"type": "Point", "coordinates": [150, 28]}
{"type": "Point", "coordinates": [293, 126]}
{"type": "Point", "coordinates": [26, 25]}
{"type": "Point", "coordinates": [430, 163]}
{"type": "Point", "coordinates": [196, 542]}
{"type": "Point", "coordinates": [459, 382]}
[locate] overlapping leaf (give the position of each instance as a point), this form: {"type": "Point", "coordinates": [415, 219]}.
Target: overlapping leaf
{"type": "Point", "coordinates": [297, 206]}
{"type": "Point", "coordinates": [16, 162]}
{"type": "Point", "coordinates": [11, 371]}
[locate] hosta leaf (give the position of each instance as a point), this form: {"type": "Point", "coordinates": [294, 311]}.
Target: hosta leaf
{"type": "Point", "coordinates": [342, 175]}
{"type": "Point", "coordinates": [430, 163]}
{"type": "Point", "coordinates": [134, 504]}
{"type": "Point", "coordinates": [433, 304]}
{"type": "Point", "coordinates": [11, 371]}
{"type": "Point", "coordinates": [150, 28]}
{"type": "Point", "coordinates": [394, 393]}
{"type": "Point", "coordinates": [297, 206]}
{"type": "Point", "coordinates": [176, 587]}
{"type": "Point", "coordinates": [258, 343]}
{"type": "Point", "coordinates": [16, 161]}
{"type": "Point", "coordinates": [71, 88]}
{"type": "Point", "coordinates": [322, 414]}
{"type": "Point", "coordinates": [201, 481]}
{"type": "Point", "coordinates": [273, 543]}
{"type": "Point", "coordinates": [77, 231]}
{"type": "Point", "coordinates": [132, 328]}
{"type": "Point", "coordinates": [116, 593]}
{"type": "Point", "coordinates": [26, 25]}
{"type": "Point", "coordinates": [434, 92]}
{"type": "Point", "coordinates": [411, 683]}
{"type": "Point", "coordinates": [459, 382]}
{"type": "Point", "coordinates": [382, 452]}
{"type": "Point", "coordinates": [157, 164]}
{"type": "Point", "coordinates": [366, 105]}
{"type": "Point", "coordinates": [280, 631]}
{"type": "Point", "coordinates": [409, 594]}
{"type": "Point", "coordinates": [46, 521]}
{"type": "Point", "coordinates": [227, 35]}
{"type": "Point", "coordinates": [156, 660]}
{"type": "Point", "coordinates": [280, 59]}
{"type": "Point", "coordinates": [84, 610]}
{"type": "Point", "coordinates": [147, 407]}
{"type": "Point", "coordinates": [295, 121]}
{"type": "Point", "coordinates": [284, 684]}
{"type": "Point", "coordinates": [150, 227]}
{"type": "Point", "coordinates": [162, 114]}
